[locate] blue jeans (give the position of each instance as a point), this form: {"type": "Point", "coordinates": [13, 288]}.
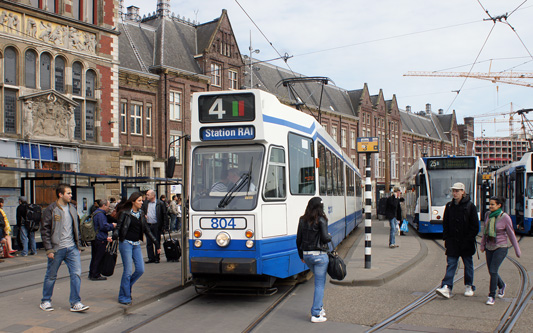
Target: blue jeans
{"type": "Point", "coordinates": [319, 266]}
{"type": "Point", "coordinates": [494, 260]}
{"type": "Point", "coordinates": [451, 267]}
{"type": "Point", "coordinates": [131, 255]}
{"type": "Point", "coordinates": [27, 237]}
{"type": "Point", "coordinates": [173, 222]}
{"type": "Point", "coordinates": [71, 257]}
{"type": "Point", "coordinates": [393, 225]}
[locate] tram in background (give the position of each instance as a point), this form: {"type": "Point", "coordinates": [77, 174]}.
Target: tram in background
{"type": "Point", "coordinates": [428, 188]}
{"type": "Point", "coordinates": [255, 163]}
{"type": "Point", "coordinates": [515, 183]}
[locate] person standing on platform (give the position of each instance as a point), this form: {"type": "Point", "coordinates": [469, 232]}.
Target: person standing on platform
{"type": "Point", "coordinates": [311, 241]}
{"type": "Point", "coordinates": [129, 231]}
{"type": "Point", "coordinates": [98, 246]}
{"type": "Point", "coordinates": [157, 218]}
{"type": "Point", "coordinates": [60, 235]}
{"type": "Point", "coordinates": [5, 230]}
{"type": "Point", "coordinates": [498, 230]}
{"type": "Point", "coordinates": [393, 212]}
{"type": "Point", "coordinates": [460, 227]}
{"type": "Point", "coordinates": [173, 212]}
{"type": "Point", "coordinates": [27, 237]}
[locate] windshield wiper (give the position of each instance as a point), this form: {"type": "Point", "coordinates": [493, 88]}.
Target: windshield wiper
{"type": "Point", "coordinates": [245, 178]}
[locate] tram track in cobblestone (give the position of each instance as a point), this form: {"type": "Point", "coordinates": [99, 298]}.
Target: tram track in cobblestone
{"type": "Point", "coordinates": [507, 321]}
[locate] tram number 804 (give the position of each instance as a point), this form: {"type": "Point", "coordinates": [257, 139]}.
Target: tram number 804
{"type": "Point", "coordinates": [223, 223]}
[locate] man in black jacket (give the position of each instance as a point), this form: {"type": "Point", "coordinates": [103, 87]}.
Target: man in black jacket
{"type": "Point", "coordinates": [460, 228]}
{"type": "Point", "coordinates": [157, 218]}
{"type": "Point", "coordinates": [393, 212]}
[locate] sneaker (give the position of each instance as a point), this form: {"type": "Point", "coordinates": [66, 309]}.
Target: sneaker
{"type": "Point", "coordinates": [501, 292]}
{"type": "Point", "coordinates": [46, 306]}
{"type": "Point", "coordinates": [444, 291]}
{"type": "Point", "coordinates": [322, 312]}
{"type": "Point", "coordinates": [79, 307]}
{"type": "Point", "coordinates": [319, 319]}
{"type": "Point", "coordinates": [392, 246]}
{"type": "Point", "coordinates": [469, 291]}
{"type": "Point", "coordinates": [490, 301]}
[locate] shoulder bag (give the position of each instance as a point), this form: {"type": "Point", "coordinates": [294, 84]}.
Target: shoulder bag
{"type": "Point", "coordinates": [110, 258]}
{"type": "Point", "coordinates": [336, 266]}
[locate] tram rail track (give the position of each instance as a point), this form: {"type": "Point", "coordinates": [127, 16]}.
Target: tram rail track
{"type": "Point", "coordinates": [507, 321]}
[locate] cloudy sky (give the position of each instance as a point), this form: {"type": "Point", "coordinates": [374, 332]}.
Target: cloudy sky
{"type": "Point", "coordinates": [376, 42]}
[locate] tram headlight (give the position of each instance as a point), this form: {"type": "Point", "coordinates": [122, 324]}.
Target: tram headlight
{"type": "Point", "coordinates": [223, 239]}
{"type": "Point", "coordinates": [435, 212]}
{"type": "Point", "coordinates": [197, 243]}
{"type": "Point", "coordinates": [249, 243]}
{"type": "Point", "coordinates": [197, 233]}
{"type": "Point", "coordinates": [249, 233]}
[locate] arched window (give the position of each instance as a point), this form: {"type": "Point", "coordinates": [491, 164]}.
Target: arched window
{"type": "Point", "coordinates": [76, 78]}
{"type": "Point", "coordinates": [30, 69]}
{"type": "Point", "coordinates": [10, 66]}
{"type": "Point", "coordinates": [45, 69]}
{"type": "Point", "coordinates": [90, 78]}
{"type": "Point", "coordinates": [59, 74]}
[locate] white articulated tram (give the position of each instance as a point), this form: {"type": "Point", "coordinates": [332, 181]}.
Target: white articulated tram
{"type": "Point", "coordinates": [255, 163]}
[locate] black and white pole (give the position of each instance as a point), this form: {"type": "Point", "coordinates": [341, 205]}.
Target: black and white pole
{"type": "Point", "coordinates": [368, 212]}
{"type": "Point", "coordinates": [487, 196]}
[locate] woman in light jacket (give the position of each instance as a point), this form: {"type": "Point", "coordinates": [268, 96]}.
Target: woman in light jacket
{"type": "Point", "coordinates": [311, 240]}
{"type": "Point", "coordinates": [498, 230]}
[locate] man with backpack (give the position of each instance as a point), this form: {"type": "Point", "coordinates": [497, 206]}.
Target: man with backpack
{"type": "Point", "coordinates": [28, 220]}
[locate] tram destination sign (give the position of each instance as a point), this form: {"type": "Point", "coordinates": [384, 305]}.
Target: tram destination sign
{"type": "Point", "coordinates": [450, 163]}
{"type": "Point", "coordinates": [246, 132]}
{"type": "Point", "coordinates": [226, 108]}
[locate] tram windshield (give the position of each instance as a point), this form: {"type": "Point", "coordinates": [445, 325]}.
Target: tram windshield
{"type": "Point", "coordinates": [226, 178]}
{"type": "Point", "coordinates": [441, 181]}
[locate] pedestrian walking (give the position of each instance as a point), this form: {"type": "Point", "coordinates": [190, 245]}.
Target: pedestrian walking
{"type": "Point", "coordinates": [311, 240]}
{"type": "Point", "coordinates": [129, 231]}
{"type": "Point", "coordinates": [60, 236]}
{"type": "Point", "coordinates": [98, 246]}
{"type": "Point", "coordinates": [393, 212]}
{"type": "Point", "coordinates": [157, 218]}
{"type": "Point", "coordinates": [460, 227]}
{"type": "Point", "coordinates": [498, 230]}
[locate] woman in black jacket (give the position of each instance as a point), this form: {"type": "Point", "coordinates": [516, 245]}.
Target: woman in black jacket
{"type": "Point", "coordinates": [129, 231]}
{"type": "Point", "coordinates": [311, 240]}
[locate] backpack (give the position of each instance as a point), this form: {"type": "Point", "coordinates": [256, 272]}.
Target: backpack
{"type": "Point", "coordinates": [87, 230]}
{"type": "Point", "coordinates": [33, 217]}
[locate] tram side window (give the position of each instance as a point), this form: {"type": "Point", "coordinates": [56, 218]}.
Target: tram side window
{"type": "Point", "coordinates": [340, 177]}
{"type": "Point", "coordinates": [322, 168]}
{"type": "Point", "coordinates": [329, 173]}
{"type": "Point", "coordinates": [301, 165]}
{"type": "Point", "coordinates": [424, 205]}
{"type": "Point", "coordinates": [500, 185]}
{"type": "Point", "coordinates": [275, 187]}
{"type": "Point", "coordinates": [530, 186]}
{"type": "Point", "coordinates": [358, 187]}
{"type": "Point", "coordinates": [350, 191]}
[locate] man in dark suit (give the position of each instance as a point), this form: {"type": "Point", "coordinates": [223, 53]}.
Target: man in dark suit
{"type": "Point", "coordinates": [157, 218]}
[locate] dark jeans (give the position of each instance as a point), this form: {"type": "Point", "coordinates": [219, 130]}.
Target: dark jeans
{"type": "Point", "coordinates": [97, 253]}
{"type": "Point", "coordinates": [451, 267]}
{"type": "Point", "coordinates": [151, 248]}
{"type": "Point", "coordinates": [494, 260]}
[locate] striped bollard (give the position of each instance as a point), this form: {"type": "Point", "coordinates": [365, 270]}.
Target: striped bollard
{"type": "Point", "coordinates": [368, 212]}
{"type": "Point", "coordinates": [487, 196]}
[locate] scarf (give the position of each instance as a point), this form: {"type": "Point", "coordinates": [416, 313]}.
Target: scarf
{"type": "Point", "coordinates": [490, 228]}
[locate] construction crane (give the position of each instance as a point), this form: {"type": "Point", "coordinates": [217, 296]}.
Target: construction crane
{"type": "Point", "coordinates": [494, 77]}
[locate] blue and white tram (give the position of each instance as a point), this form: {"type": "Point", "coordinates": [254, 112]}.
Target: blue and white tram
{"type": "Point", "coordinates": [254, 166]}
{"type": "Point", "coordinates": [428, 184]}
{"type": "Point", "coordinates": [515, 183]}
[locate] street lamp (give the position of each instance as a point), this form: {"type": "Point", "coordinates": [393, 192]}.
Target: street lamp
{"type": "Point", "coordinates": [252, 51]}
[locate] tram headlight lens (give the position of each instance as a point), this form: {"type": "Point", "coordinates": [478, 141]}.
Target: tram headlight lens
{"type": "Point", "coordinates": [249, 234]}
{"type": "Point", "coordinates": [249, 243]}
{"type": "Point", "coordinates": [223, 239]}
{"type": "Point", "coordinates": [197, 233]}
{"type": "Point", "coordinates": [197, 243]}
{"type": "Point", "coordinates": [435, 212]}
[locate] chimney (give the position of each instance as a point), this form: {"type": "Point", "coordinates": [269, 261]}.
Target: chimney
{"type": "Point", "coordinates": [133, 13]}
{"type": "Point", "coordinates": [408, 108]}
{"type": "Point", "coordinates": [428, 108]}
{"type": "Point", "coordinates": [441, 111]}
{"type": "Point", "coordinates": [163, 8]}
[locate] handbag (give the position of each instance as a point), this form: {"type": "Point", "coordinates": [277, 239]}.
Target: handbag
{"type": "Point", "coordinates": [110, 259]}
{"type": "Point", "coordinates": [336, 266]}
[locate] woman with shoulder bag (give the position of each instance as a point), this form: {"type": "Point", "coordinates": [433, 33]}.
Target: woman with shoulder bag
{"type": "Point", "coordinates": [129, 231]}
{"type": "Point", "coordinates": [498, 229]}
{"type": "Point", "coordinates": [311, 240]}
